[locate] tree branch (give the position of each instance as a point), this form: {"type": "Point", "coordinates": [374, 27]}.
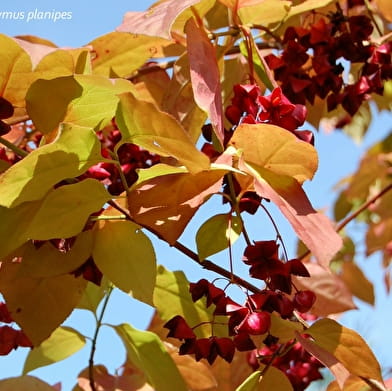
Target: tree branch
{"type": "Point", "coordinates": [355, 214]}
{"type": "Point", "coordinates": [205, 264]}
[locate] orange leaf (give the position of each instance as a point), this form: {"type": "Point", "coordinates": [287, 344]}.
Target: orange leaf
{"type": "Point", "coordinates": [205, 75]}
{"type": "Point", "coordinates": [312, 227]}
{"type": "Point", "coordinates": [166, 203]}
{"type": "Point", "coordinates": [332, 295]}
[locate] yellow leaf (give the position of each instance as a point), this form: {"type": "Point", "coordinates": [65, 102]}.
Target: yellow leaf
{"type": "Point", "coordinates": [63, 343]}
{"type": "Point", "coordinates": [283, 329]}
{"type": "Point", "coordinates": [72, 153]}
{"type": "Point", "coordinates": [142, 123]}
{"type": "Point", "coordinates": [385, 8]}
{"type": "Point", "coordinates": [15, 71]}
{"type": "Point", "coordinates": [39, 305]}
{"type": "Point", "coordinates": [265, 13]}
{"type": "Point", "coordinates": [277, 150]}
{"type": "Point", "coordinates": [347, 346]}
{"type": "Point", "coordinates": [120, 54]}
{"type": "Point", "coordinates": [125, 256]}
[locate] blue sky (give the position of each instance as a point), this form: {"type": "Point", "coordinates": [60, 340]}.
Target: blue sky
{"type": "Point", "coordinates": [338, 158]}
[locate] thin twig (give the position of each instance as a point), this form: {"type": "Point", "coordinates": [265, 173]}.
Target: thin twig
{"type": "Point", "coordinates": [13, 147]}
{"type": "Point", "coordinates": [205, 264]}
{"type": "Point", "coordinates": [351, 217]}
{"type": "Point", "coordinates": [94, 341]}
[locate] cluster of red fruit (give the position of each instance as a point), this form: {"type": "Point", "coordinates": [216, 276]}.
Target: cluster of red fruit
{"type": "Point", "coordinates": [249, 106]}
{"type": "Point", "coordinates": [10, 338]}
{"type": "Point", "coordinates": [131, 157]}
{"type": "Point", "coordinates": [291, 358]}
{"type": "Point", "coordinates": [253, 318]}
{"type": "Point", "coordinates": [310, 64]}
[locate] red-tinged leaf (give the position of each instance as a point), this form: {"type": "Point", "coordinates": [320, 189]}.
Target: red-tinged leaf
{"type": "Point", "coordinates": [205, 75]}
{"type": "Point", "coordinates": [24, 383]}
{"type": "Point", "coordinates": [129, 378]}
{"type": "Point", "coordinates": [166, 203]}
{"type": "Point", "coordinates": [347, 346]}
{"type": "Point", "coordinates": [332, 295]}
{"type": "Point", "coordinates": [338, 370]}
{"type": "Point", "coordinates": [157, 20]}
{"type": "Point", "coordinates": [312, 227]}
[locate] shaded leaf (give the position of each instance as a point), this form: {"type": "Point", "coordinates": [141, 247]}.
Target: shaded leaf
{"type": "Point", "coordinates": [93, 295]}
{"type": "Point", "coordinates": [124, 254]}
{"type": "Point", "coordinates": [63, 342]}
{"type": "Point", "coordinates": [325, 357]}
{"type": "Point", "coordinates": [24, 383]}
{"type": "Point", "coordinates": [356, 281]}
{"type": "Point", "coordinates": [146, 352]}
{"type": "Point", "coordinates": [166, 203]}
{"type": "Point", "coordinates": [332, 295]}
{"type": "Point", "coordinates": [217, 233]}
{"type": "Point", "coordinates": [205, 75]}
{"type": "Point", "coordinates": [72, 153]}
{"type": "Point", "coordinates": [157, 20]}
{"type": "Point", "coordinates": [378, 236]}
{"type": "Point", "coordinates": [197, 375]}
{"type": "Point", "coordinates": [119, 54]}
{"type": "Point", "coordinates": [179, 100]}
{"type": "Point", "coordinates": [30, 300]}
{"type": "Point", "coordinates": [48, 261]}
{"type": "Point", "coordinates": [347, 346]}
{"type": "Point", "coordinates": [142, 123]}
{"type": "Point", "coordinates": [312, 227]}
{"type": "Point", "coordinates": [353, 383]}
{"type": "Point", "coordinates": [275, 149]}
{"type": "Point", "coordinates": [308, 5]}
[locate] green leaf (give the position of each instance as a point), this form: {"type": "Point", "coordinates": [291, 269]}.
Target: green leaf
{"type": "Point", "coordinates": [61, 214]}
{"type": "Point", "coordinates": [24, 383]}
{"type": "Point", "coordinates": [84, 100]}
{"type": "Point", "coordinates": [257, 63]}
{"type": "Point", "coordinates": [65, 210]}
{"type": "Point", "coordinates": [125, 255]}
{"type": "Point", "coordinates": [217, 233]}
{"type": "Point", "coordinates": [71, 154]}
{"type": "Point", "coordinates": [147, 352]}
{"type": "Point", "coordinates": [273, 379]}
{"type": "Point", "coordinates": [277, 150]}
{"type": "Point", "coordinates": [39, 305]}
{"type": "Point", "coordinates": [93, 295]}
{"type": "Point", "coordinates": [172, 297]}
{"type": "Point", "coordinates": [63, 342]}
{"type": "Point", "coordinates": [347, 346]}
{"type": "Point", "coordinates": [251, 383]}
{"type": "Point", "coordinates": [142, 123]}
